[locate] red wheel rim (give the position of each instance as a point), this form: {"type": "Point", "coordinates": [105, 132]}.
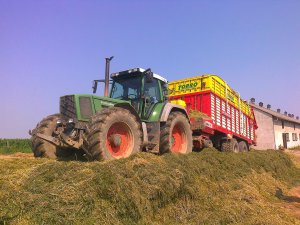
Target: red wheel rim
{"type": "Point", "coordinates": [119, 140]}
{"type": "Point", "coordinates": [178, 140]}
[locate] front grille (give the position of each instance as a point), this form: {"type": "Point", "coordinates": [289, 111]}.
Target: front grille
{"type": "Point", "coordinates": [85, 107]}
{"type": "Point", "coordinates": [67, 107]}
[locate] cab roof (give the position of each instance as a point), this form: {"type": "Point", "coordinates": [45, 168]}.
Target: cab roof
{"type": "Point", "coordinates": [135, 71]}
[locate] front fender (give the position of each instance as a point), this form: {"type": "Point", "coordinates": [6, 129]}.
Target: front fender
{"type": "Point", "coordinates": [127, 106]}
{"type": "Point", "coordinates": [170, 107]}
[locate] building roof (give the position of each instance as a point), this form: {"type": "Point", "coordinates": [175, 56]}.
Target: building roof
{"type": "Point", "coordinates": [276, 114]}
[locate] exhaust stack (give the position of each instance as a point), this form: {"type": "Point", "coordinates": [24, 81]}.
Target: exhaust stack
{"type": "Point", "coordinates": [106, 83]}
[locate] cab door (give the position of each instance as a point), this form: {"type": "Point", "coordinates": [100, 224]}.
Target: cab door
{"type": "Point", "coordinates": [151, 96]}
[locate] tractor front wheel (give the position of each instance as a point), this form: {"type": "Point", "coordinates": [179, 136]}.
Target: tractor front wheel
{"type": "Point", "coordinates": [176, 135]}
{"type": "Point", "coordinates": [113, 133]}
{"type": "Point", "coordinates": [40, 147]}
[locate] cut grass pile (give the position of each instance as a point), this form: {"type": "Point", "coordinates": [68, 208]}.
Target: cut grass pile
{"type": "Point", "coordinates": [199, 188]}
{"type": "Point", "coordinates": [11, 146]}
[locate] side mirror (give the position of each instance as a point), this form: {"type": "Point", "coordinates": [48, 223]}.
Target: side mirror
{"type": "Point", "coordinates": [148, 75]}
{"type": "Point", "coordinates": [95, 85]}
{"type": "Point", "coordinates": [165, 91]}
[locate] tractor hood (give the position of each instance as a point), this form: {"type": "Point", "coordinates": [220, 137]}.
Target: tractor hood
{"type": "Point", "coordinates": [81, 107]}
{"type": "Point", "coordinates": [105, 102]}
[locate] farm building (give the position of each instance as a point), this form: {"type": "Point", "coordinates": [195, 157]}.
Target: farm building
{"type": "Point", "coordinates": [276, 130]}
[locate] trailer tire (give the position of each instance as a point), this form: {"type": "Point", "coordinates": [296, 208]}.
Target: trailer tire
{"type": "Point", "coordinates": [176, 135]}
{"type": "Point", "coordinates": [208, 143]}
{"type": "Point", "coordinates": [113, 133]}
{"type": "Point", "coordinates": [40, 147]}
{"type": "Point", "coordinates": [230, 146]}
{"type": "Point", "coordinates": [243, 147]}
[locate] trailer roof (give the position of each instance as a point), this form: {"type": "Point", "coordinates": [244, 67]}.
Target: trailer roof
{"type": "Point", "coordinates": [137, 70]}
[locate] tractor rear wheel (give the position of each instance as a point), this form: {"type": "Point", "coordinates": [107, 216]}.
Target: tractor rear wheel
{"type": "Point", "coordinates": [113, 133]}
{"type": "Point", "coordinates": [40, 147]}
{"type": "Point", "coordinates": [230, 146]}
{"type": "Point", "coordinates": [176, 135]}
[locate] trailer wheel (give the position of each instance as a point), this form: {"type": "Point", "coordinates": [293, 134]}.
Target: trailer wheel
{"type": "Point", "coordinates": [113, 133]}
{"type": "Point", "coordinates": [40, 147]}
{"type": "Point", "coordinates": [243, 147]}
{"type": "Point", "coordinates": [176, 135]}
{"type": "Point", "coordinates": [230, 146]}
{"type": "Point", "coordinates": [208, 143]}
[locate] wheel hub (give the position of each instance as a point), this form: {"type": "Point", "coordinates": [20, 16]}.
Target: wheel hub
{"type": "Point", "coordinates": [115, 140]}
{"type": "Point", "coordinates": [178, 139]}
{"type": "Point", "coordinates": [119, 140]}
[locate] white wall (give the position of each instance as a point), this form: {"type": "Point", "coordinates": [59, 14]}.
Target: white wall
{"type": "Point", "coordinates": [265, 133]}
{"type": "Point", "coordinates": [288, 128]}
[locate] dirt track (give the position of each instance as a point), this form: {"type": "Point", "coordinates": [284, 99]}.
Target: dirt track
{"type": "Point", "coordinates": [296, 154]}
{"type": "Point", "coordinates": [293, 199]}
{"type": "Point", "coordinates": [17, 155]}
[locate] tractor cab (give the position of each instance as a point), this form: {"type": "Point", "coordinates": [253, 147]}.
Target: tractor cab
{"type": "Point", "coordinates": [142, 88]}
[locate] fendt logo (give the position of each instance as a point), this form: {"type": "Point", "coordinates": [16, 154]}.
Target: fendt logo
{"type": "Point", "coordinates": [187, 86]}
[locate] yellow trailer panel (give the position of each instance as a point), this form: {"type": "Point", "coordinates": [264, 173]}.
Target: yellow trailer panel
{"type": "Point", "coordinates": [209, 82]}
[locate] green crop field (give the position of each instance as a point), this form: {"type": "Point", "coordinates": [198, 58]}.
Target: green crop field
{"type": "Point", "coordinates": [199, 188]}
{"type": "Point", "coordinates": [10, 146]}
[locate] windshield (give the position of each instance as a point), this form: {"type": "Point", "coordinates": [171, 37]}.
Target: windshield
{"type": "Point", "coordinates": [127, 88]}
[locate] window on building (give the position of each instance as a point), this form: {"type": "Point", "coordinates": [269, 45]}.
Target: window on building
{"type": "Point", "coordinates": [282, 124]}
{"type": "Point", "coordinates": [295, 137]}
{"type": "Point", "coordinates": [294, 126]}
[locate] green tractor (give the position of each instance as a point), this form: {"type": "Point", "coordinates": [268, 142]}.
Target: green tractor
{"type": "Point", "coordinates": [135, 117]}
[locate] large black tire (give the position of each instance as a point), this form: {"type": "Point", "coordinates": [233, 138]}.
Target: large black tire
{"type": "Point", "coordinates": [176, 135]}
{"type": "Point", "coordinates": [113, 133]}
{"type": "Point", "coordinates": [208, 143]}
{"type": "Point", "coordinates": [230, 146]}
{"type": "Point", "coordinates": [40, 147]}
{"type": "Point", "coordinates": [243, 147]}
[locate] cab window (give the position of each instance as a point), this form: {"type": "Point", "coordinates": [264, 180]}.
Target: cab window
{"type": "Point", "coordinates": [152, 91]}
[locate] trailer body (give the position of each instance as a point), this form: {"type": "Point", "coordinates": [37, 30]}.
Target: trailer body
{"type": "Point", "coordinates": [211, 96]}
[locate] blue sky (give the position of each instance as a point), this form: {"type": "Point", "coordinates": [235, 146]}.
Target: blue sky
{"type": "Point", "coordinates": [53, 48]}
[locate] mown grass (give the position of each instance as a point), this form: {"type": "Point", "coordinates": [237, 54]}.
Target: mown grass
{"type": "Point", "coordinates": [199, 188]}
{"type": "Point", "coordinates": [11, 146]}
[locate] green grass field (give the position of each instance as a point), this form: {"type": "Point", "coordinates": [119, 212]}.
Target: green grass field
{"type": "Point", "coordinates": [199, 188]}
{"type": "Point", "coordinates": [10, 146]}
